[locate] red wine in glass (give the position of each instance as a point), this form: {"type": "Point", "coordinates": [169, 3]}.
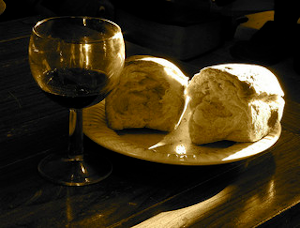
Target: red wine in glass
{"type": "Point", "coordinates": [74, 87]}
{"type": "Point", "coordinates": [76, 61]}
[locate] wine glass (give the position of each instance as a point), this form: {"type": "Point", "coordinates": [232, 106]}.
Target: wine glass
{"type": "Point", "coordinates": [76, 61]}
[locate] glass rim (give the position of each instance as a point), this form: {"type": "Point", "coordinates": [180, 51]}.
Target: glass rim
{"type": "Point", "coordinates": [34, 28]}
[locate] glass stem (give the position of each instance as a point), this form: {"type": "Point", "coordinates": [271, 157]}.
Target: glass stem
{"type": "Point", "coordinates": [75, 134]}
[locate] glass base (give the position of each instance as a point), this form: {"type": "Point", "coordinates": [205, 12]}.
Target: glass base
{"type": "Point", "coordinates": [79, 170]}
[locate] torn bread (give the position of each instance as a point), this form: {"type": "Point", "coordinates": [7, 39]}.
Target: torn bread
{"type": "Point", "coordinates": [236, 102]}
{"type": "Point", "coordinates": [150, 94]}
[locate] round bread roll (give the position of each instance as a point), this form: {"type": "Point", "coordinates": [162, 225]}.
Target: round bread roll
{"type": "Point", "coordinates": [150, 94]}
{"type": "Point", "coordinates": [236, 102]}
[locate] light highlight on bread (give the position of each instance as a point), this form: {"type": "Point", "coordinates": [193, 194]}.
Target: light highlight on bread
{"type": "Point", "coordinates": [237, 102]}
{"type": "Point", "coordinates": [150, 94]}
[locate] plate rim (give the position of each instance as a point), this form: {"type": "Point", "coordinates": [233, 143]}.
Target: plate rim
{"type": "Point", "coordinates": [91, 117]}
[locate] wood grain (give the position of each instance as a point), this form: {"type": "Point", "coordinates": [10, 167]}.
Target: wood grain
{"type": "Point", "coordinates": [238, 195]}
{"type": "Point", "coordinates": [263, 190]}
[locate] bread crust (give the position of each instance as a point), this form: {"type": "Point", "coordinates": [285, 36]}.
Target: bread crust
{"type": "Point", "coordinates": [150, 94]}
{"type": "Point", "coordinates": [237, 102]}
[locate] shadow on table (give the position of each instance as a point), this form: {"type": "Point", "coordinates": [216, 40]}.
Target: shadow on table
{"type": "Point", "coordinates": [183, 195]}
{"type": "Point", "coordinates": [136, 191]}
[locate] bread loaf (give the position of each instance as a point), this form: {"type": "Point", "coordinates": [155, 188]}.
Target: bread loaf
{"type": "Point", "coordinates": [150, 94]}
{"type": "Point", "coordinates": [237, 102]}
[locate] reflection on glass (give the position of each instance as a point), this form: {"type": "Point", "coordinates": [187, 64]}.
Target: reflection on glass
{"type": "Point", "coordinates": [76, 61]}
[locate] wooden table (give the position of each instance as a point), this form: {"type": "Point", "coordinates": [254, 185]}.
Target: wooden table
{"type": "Point", "coordinates": [262, 190]}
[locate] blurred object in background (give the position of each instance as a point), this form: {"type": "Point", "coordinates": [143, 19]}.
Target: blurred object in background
{"type": "Point", "coordinates": [182, 29]}
{"type": "Point", "coordinates": [92, 8]}
{"type": "Point", "coordinates": [2, 6]}
{"type": "Point", "coordinates": [178, 12]}
{"type": "Point", "coordinates": [48, 8]}
{"type": "Point", "coordinates": [276, 40]}
{"type": "Point", "coordinates": [242, 7]}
